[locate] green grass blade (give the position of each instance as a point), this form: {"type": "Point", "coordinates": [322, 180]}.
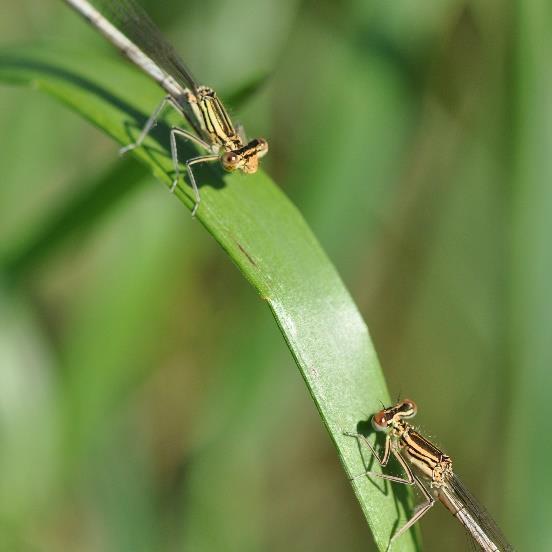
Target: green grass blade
{"type": "Point", "coordinates": [268, 240]}
{"type": "Point", "coordinates": [77, 215]}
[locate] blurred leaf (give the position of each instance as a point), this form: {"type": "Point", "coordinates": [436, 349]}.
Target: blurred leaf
{"type": "Point", "coordinates": [529, 230]}
{"type": "Point", "coordinates": [266, 238]}
{"type": "Point", "coordinates": [29, 414]}
{"type": "Point", "coordinates": [76, 216]}
{"type": "Point", "coordinates": [121, 324]}
{"type": "Point", "coordinates": [245, 92]}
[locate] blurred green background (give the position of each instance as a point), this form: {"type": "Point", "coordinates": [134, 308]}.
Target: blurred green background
{"type": "Point", "coordinates": [147, 399]}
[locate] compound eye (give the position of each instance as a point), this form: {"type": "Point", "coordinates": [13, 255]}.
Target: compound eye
{"type": "Point", "coordinates": [262, 147]}
{"type": "Point", "coordinates": [409, 408]}
{"type": "Point", "coordinates": [230, 161]}
{"type": "Point", "coordinates": [379, 421]}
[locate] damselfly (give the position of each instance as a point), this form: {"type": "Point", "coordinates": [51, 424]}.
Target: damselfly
{"type": "Point", "coordinates": [127, 26]}
{"type": "Point", "coordinates": [424, 463]}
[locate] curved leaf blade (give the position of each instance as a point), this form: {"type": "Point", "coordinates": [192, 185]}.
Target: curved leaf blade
{"type": "Point", "coordinates": [268, 240]}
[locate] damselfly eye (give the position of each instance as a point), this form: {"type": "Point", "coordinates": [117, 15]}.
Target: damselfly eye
{"type": "Point", "coordinates": [230, 161]}
{"type": "Point", "coordinates": [262, 147]}
{"type": "Point", "coordinates": [379, 421]}
{"type": "Point", "coordinates": [408, 408]}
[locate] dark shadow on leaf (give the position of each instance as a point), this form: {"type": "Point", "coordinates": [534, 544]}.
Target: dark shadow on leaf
{"type": "Point", "coordinates": [399, 490]}
{"type": "Point", "coordinates": [368, 460]}
{"type": "Point", "coordinates": [136, 119]}
{"type": "Point", "coordinates": [7, 60]}
{"type": "Point", "coordinates": [206, 174]}
{"type": "Point", "coordinates": [72, 220]}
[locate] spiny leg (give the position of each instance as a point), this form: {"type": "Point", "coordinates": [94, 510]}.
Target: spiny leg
{"type": "Point", "coordinates": [386, 453]}
{"type": "Point", "coordinates": [175, 131]}
{"type": "Point", "coordinates": [150, 123]}
{"type": "Point", "coordinates": [410, 479]}
{"type": "Point", "coordinates": [195, 161]}
{"type": "Point", "coordinates": [421, 510]}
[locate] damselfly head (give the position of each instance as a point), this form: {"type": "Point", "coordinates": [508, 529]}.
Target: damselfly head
{"type": "Point", "coordinates": [386, 417]}
{"type": "Point", "coordinates": [230, 161]}
{"type": "Point", "coordinates": [245, 159]}
{"type": "Point", "coordinates": [380, 420]}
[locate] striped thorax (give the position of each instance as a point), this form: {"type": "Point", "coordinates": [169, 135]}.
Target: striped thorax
{"type": "Point", "coordinates": [217, 129]}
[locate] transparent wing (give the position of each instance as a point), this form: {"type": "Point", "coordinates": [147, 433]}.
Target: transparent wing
{"type": "Point", "coordinates": [480, 514]}
{"type": "Point", "coordinates": [133, 21]}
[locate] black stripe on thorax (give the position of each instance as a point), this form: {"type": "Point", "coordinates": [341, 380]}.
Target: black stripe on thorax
{"type": "Point", "coordinates": [420, 448]}
{"type": "Point", "coordinates": [215, 118]}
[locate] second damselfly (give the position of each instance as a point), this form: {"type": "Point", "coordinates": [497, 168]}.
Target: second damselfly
{"type": "Point", "coordinates": [128, 27]}
{"type": "Point", "coordinates": [425, 465]}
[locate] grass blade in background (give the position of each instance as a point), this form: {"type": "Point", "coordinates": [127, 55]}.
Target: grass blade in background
{"type": "Point", "coordinates": [74, 217]}
{"type": "Point", "coordinates": [531, 267]}
{"type": "Point", "coordinates": [266, 238]}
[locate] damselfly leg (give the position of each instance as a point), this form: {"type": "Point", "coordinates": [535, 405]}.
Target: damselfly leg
{"type": "Point", "coordinates": [430, 469]}
{"type": "Point", "coordinates": [175, 131]}
{"type": "Point", "coordinates": [410, 479]}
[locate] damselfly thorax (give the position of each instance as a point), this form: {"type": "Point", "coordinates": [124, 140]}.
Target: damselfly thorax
{"type": "Point", "coordinates": [215, 125]}
{"type": "Point", "coordinates": [434, 464]}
